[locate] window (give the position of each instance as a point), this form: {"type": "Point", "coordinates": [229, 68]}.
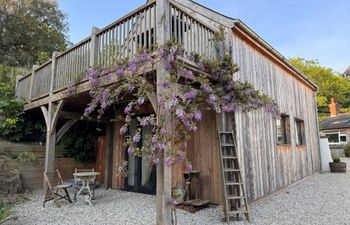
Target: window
{"type": "Point", "coordinates": [283, 130]}
{"type": "Point", "coordinates": [336, 138]}
{"type": "Point", "coordinates": [300, 132]}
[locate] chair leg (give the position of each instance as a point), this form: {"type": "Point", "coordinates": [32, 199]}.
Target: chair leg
{"type": "Point", "coordinates": [55, 199]}
{"type": "Point", "coordinates": [45, 197]}
{"type": "Point", "coordinates": [67, 195]}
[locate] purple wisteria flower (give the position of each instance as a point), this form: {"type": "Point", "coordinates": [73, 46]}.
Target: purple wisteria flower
{"type": "Point", "coordinates": [131, 87]}
{"type": "Point", "coordinates": [130, 150]}
{"type": "Point", "coordinates": [180, 113]}
{"type": "Point", "coordinates": [197, 116]}
{"type": "Point", "coordinates": [189, 166]}
{"type": "Point", "coordinates": [140, 101]}
{"type": "Point", "coordinates": [136, 138]}
{"type": "Point", "coordinates": [182, 156]}
{"type": "Point", "coordinates": [206, 88]}
{"type": "Point", "coordinates": [132, 68]}
{"type": "Point", "coordinates": [123, 130]}
{"type": "Point", "coordinates": [190, 95]}
{"type": "Point", "coordinates": [119, 71]}
{"type": "Point", "coordinates": [127, 109]}
{"type": "Point", "coordinates": [169, 162]}
{"type": "Point", "coordinates": [187, 74]}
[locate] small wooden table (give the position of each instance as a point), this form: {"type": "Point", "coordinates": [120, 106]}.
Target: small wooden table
{"type": "Point", "coordinates": [85, 178]}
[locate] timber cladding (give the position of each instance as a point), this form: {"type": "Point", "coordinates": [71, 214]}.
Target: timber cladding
{"type": "Point", "coordinates": [266, 165]}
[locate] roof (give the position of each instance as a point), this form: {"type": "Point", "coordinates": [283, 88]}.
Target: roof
{"type": "Point", "coordinates": [336, 122]}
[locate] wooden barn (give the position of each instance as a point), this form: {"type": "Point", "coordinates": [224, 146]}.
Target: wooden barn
{"type": "Point", "coordinates": [272, 153]}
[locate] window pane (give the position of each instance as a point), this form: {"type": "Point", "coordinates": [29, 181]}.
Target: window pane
{"type": "Point", "coordinates": [342, 138]}
{"type": "Point", "coordinates": [333, 138]}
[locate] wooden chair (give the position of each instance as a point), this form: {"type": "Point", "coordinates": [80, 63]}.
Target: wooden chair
{"type": "Point", "coordinates": [55, 185]}
{"type": "Point", "coordinates": [78, 182]}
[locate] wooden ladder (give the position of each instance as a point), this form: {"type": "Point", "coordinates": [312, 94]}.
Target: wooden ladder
{"type": "Point", "coordinates": [233, 184]}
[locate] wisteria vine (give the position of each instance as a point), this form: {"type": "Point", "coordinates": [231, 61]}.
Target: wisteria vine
{"type": "Point", "coordinates": [178, 107]}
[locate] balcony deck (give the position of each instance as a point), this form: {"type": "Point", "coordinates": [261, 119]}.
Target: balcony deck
{"type": "Point", "coordinates": [119, 40]}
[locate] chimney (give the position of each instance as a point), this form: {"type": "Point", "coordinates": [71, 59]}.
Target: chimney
{"type": "Point", "coordinates": [334, 108]}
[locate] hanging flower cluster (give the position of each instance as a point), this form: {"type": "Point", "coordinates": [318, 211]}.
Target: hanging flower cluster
{"type": "Point", "coordinates": [178, 106]}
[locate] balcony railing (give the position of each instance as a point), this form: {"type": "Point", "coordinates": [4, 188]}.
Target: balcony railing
{"type": "Point", "coordinates": [119, 40]}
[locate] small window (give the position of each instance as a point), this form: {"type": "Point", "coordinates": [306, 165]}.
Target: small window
{"type": "Point", "coordinates": [283, 130]}
{"type": "Point", "coordinates": [300, 132]}
{"type": "Point", "coordinates": [336, 138]}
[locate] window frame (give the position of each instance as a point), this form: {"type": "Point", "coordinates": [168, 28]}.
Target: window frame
{"type": "Point", "coordinates": [285, 129]}
{"type": "Point", "coordinates": [300, 138]}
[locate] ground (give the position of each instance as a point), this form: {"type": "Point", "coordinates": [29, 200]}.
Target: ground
{"type": "Point", "coordinates": [318, 200]}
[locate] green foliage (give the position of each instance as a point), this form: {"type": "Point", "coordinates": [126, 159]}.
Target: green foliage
{"type": "Point", "coordinates": [26, 157]}
{"type": "Point", "coordinates": [30, 31]}
{"type": "Point", "coordinates": [330, 83]}
{"type": "Point", "coordinates": [5, 212]}
{"type": "Point", "coordinates": [347, 150]}
{"type": "Point", "coordinates": [79, 145]}
{"type": "Point", "coordinates": [336, 160]}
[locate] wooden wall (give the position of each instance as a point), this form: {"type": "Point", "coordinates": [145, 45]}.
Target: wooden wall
{"type": "Point", "coordinates": [203, 153]}
{"type": "Point", "coordinates": [268, 166]}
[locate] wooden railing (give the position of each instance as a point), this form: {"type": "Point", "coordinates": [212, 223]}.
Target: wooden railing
{"type": "Point", "coordinates": [119, 40]}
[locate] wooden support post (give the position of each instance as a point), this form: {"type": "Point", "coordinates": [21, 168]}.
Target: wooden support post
{"type": "Point", "coordinates": [163, 213]}
{"type": "Point", "coordinates": [94, 47]}
{"type": "Point", "coordinates": [51, 114]}
{"type": "Point", "coordinates": [30, 95]}
{"type": "Point", "coordinates": [109, 154]}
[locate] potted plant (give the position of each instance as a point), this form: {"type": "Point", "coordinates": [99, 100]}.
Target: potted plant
{"type": "Point", "coordinates": [337, 166]}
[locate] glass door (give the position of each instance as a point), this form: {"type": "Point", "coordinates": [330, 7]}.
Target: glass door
{"type": "Point", "coordinates": [141, 176]}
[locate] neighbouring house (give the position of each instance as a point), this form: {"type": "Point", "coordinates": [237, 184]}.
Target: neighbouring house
{"type": "Point", "coordinates": [273, 153]}
{"type": "Point", "coordinates": [337, 129]}
{"type": "Point", "coordinates": [347, 72]}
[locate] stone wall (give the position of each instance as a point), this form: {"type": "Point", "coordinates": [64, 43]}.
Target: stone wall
{"type": "Point", "coordinates": [337, 150]}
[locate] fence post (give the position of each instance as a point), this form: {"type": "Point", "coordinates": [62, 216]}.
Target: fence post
{"type": "Point", "coordinates": [94, 47]}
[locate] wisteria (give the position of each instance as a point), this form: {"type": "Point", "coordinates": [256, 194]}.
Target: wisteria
{"type": "Point", "coordinates": [178, 108]}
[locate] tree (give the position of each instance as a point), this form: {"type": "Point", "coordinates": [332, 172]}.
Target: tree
{"type": "Point", "coordinates": [331, 84]}
{"type": "Point", "coordinates": [30, 30]}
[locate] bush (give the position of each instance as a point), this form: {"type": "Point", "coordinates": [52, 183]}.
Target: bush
{"type": "Point", "coordinates": [79, 146]}
{"type": "Point", "coordinates": [347, 150]}
{"type": "Point", "coordinates": [5, 212]}
{"type": "Point", "coordinates": [26, 157]}
{"type": "Point", "coordinates": [336, 160]}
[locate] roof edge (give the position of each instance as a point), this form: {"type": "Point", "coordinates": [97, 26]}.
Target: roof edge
{"type": "Point", "coordinates": [272, 50]}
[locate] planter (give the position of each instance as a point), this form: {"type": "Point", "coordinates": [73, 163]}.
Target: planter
{"type": "Point", "coordinates": [339, 167]}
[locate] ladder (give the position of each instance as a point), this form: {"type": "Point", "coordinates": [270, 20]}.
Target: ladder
{"type": "Point", "coordinates": [235, 200]}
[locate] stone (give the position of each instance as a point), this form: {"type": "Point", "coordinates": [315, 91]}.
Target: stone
{"type": "Point", "coordinates": [10, 179]}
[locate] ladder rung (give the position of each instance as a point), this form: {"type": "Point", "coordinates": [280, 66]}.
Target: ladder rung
{"type": "Point", "coordinates": [231, 170]}
{"type": "Point", "coordinates": [227, 145]}
{"type": "Point", "coordinates": [236, 197]}
{"type": "Point", "coordinates": [225, 132]}
{"type": "Point", "coordinates": [233, 183]}
{"type": "Point", "coordinates": [229, 157]}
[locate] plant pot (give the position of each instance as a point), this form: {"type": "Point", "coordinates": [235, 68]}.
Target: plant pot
{"type": "Point", "coordinates": [339, 167]}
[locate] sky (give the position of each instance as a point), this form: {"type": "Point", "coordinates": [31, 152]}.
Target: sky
{"type": "Point", "coordinates": [311, 29]}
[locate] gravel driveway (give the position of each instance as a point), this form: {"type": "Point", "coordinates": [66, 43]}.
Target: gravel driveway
{"type": "Point", "coordinates": [319, 200]}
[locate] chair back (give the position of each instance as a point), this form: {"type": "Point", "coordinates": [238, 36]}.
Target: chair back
{"type": "Point", "coordinates": [53, 179]}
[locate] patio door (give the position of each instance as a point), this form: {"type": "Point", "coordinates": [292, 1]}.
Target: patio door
{"type": "Point", "coordinates": [141, 176]}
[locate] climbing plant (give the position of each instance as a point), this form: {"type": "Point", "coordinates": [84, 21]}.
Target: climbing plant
{"type": "Point", "coordinates": [178, 108]}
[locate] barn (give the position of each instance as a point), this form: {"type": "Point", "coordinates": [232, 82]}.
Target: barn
{"type": "Point", "coordinates": [272, 153]}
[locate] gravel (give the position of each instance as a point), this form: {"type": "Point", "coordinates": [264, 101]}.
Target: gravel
{"type": "Point", "coordinates": [319, 200]}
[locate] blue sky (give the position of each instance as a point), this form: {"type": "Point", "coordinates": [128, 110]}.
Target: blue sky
{"type": "Point", "coordinates": [312, 29]}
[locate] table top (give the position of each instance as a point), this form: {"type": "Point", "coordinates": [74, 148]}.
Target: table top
{"type": "Point", "coordinates": [86, 174]}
